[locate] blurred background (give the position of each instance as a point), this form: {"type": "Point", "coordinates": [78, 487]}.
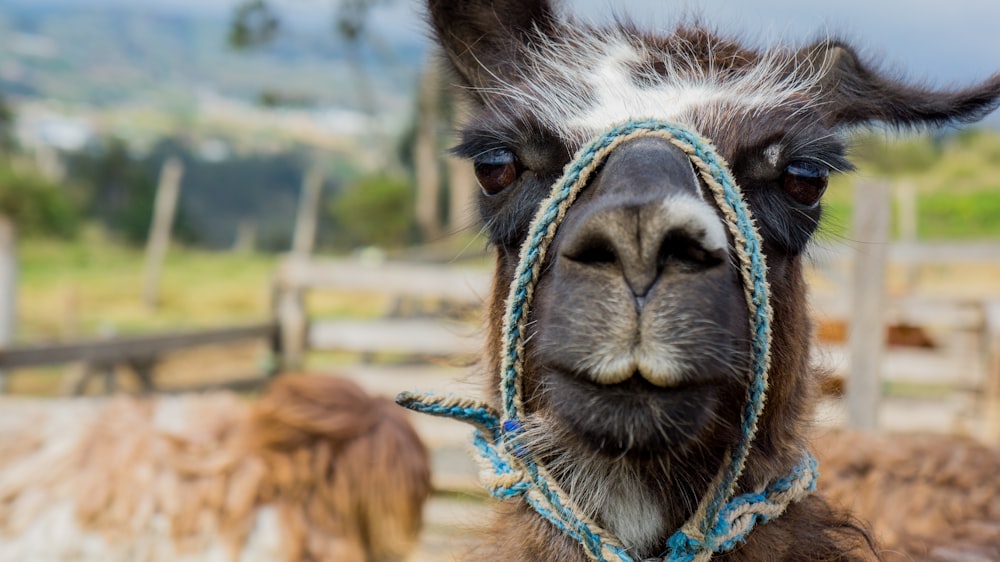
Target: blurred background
{"type": "Point", "coordinates": [200, 193]}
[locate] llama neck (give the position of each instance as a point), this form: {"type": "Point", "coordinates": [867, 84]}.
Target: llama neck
{"type": "Point", "coordinates": [640, 501]}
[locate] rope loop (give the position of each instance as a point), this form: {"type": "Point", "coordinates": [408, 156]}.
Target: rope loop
{"type": "Point", "coordinates": [721, 521]}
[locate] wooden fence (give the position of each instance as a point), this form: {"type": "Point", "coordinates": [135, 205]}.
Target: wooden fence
{"type": "Point", "coordinates": [299, 333]}
{"type": "Point", "coordinates": [396, 350]}
{"type": "Point", "coordinates": [101, 357]}
{"type": "Point", "coordinates": [961, 374]}
{"type": "Point", "coordinates": [958, 380]}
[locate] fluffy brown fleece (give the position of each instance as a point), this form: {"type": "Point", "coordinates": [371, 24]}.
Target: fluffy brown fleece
{"type": "Point", "coordinates": [931, 498]}
{"type": "Point", "coordinates": [344, 472]}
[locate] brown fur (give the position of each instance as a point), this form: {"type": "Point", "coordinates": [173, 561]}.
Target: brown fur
{"type": "Point", "coordinates": [930, 498]}
{"type": "Point", "coordinates": [345, 472]}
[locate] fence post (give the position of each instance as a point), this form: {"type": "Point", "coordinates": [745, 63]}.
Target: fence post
{"type": "Point", "coordinates": [991, 403]}
{"type": "Point", "coordinates": [245, 241]}
{"type": "Point", "coordinates": [462, 182]}
{"type": "Point", "coordinates": [8, 287]}
{"type": "Point", "coordinates": [290, 315]}
{"type": "Point", "coordinates": [164, 209]}
{"type": "Point", "coordinates": [462, 203]}
{"type": "Point", "coordinates": [304, 238]}
{"type": "Point", "coordinates": [906, 219]}
{"type": "Point", "coordinates": [866, 338]}
{"type": "Point", "coordinates": [425, 152]}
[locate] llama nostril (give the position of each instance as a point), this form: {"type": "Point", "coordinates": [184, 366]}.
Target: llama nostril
{"type": "Point", "coordinates": [597, 252]}
{"type": "Point", "coordinates": [681, 248]}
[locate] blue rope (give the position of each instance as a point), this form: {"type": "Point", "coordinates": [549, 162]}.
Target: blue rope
{"type": "Point", "coordinates": [497, 441]}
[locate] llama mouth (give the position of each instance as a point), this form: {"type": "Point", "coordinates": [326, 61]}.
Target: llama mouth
{"type": "Point", "coordinates": [633, 417]}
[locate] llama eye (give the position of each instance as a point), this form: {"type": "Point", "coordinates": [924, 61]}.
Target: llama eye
{"type": "Point", "coordinates": [497, 170]}
{"type": "Point", "coordinates": [805, 182]}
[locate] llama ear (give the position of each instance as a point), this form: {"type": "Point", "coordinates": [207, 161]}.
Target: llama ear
{"type": "Point", "coordinates": [483, 39]}
{"type": "Point", "coordinates": [853, 93]}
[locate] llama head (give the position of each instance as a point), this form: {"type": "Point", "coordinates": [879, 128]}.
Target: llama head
{"type": "Point", "coordinates": [638, 354]}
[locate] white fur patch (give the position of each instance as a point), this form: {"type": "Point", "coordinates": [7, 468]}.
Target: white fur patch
{"type": "Point", "coordinates": [606, 491]}
{"type": "Point", "coordinates": [699, 219]}
{"type": "Point", "coordinates": [584, 84]}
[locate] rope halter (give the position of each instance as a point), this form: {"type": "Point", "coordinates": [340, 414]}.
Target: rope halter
{"type": "Point", "coordinates": [509, 469]}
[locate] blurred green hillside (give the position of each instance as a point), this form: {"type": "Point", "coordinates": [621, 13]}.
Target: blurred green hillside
{"type": "Point", "coordinates": [106, 55]}
{"type": "Point", "coordinates": [956, 177]}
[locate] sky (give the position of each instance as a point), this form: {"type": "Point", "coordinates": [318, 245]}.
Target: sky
{"type": "Point", "coordinates": [946, 41]}
{"type": "Point", "coordinates": [956, 41]}
{"type": "Point", "coordinates": [943, 43]}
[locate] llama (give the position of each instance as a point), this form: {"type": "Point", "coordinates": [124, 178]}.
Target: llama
{"type": "Point", "coordinates": [313, 470]}
{"type": "Point", "coordinates": [626, 385]}
{"type": "Point", "coordinates": [927, 497]}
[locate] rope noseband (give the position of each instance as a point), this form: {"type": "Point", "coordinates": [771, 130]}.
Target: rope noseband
{"type": "Point", "coordinates": [721, 520]}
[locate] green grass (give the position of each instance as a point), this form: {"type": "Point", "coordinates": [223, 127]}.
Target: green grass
{"type": "Point", "coordinates": [92, 285]}
{"type": "Point", "coordinates": [957, 181]}
{"type": "Point", "coordinates": [974, 214]}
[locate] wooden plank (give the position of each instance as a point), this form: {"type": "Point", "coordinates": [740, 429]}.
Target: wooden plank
{"type": "Point", "coordinates": [164, 209]}
{"type": "Point", "coordinates": [458, 284]}
{"type": "Point", "coordinates": [462, 183]}
{"type": "Point", "coordinates": [962, 314]}
{"type": "Point", "coordinates": [304, 237]}
{"type": "Point", "coordinates": [991, 402]}
{"type": "Point", "coordinates": [414, 337]}
{"type": "Point", "coordinates": [917, 253]}
{"type": "Point", "coordinates": [916, 366]}
{"type": "Point", "coordinates": [122, 349]}
{"type": "Point", "coordinates": [865, 333]}
{"type": "Point", "coordinates": [427, 150]}
{"type": "Point", "coordinates": [926, 253]}
{"type": "Point", "coordinates": [934, 415]}
{"type": "Point", "coordinates": [293, 327]}
{"type": "Point", "coordinates": [906, 219]}
{"type": "Point", "coordinates": [242, 384]}
{"type": "Point", "coordinates": [390, 380]}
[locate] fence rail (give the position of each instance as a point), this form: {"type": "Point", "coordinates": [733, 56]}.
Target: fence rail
{"type": "Point", "coordinates": [965, 361]}
{"type": "Point", "coordinates": [142, 353]}
{"type": "Point", "coordinates": [127, 348]}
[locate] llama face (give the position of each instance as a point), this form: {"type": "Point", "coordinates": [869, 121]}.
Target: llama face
{"type": "Point", "coordinates": [638, 342]}
{"type": "Point", "coordinates": [641, 314]}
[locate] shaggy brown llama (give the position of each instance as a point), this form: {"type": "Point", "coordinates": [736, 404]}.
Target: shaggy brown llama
{"type": "Point", "coordinates": [637, 348]}
{"type": "Point", "coordinates": [315, 470]}
{"type": "Point", "coordinates": [933, 498]}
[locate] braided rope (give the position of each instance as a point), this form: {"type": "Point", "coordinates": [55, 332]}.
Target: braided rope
{"type": "Point", "coordinates": [508, 469]}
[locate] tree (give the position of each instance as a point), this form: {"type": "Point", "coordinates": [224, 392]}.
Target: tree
{"type": "Point", "coordinates": [7, 143]}
{"type": "Point", "coordinates": [37, 206]}
{"type": "Point", "coordinates": [120, 191]}
{"type": "Point", "coordinates": [376, 210]}
{"type": "Point", "coordinates": [255, 24]}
